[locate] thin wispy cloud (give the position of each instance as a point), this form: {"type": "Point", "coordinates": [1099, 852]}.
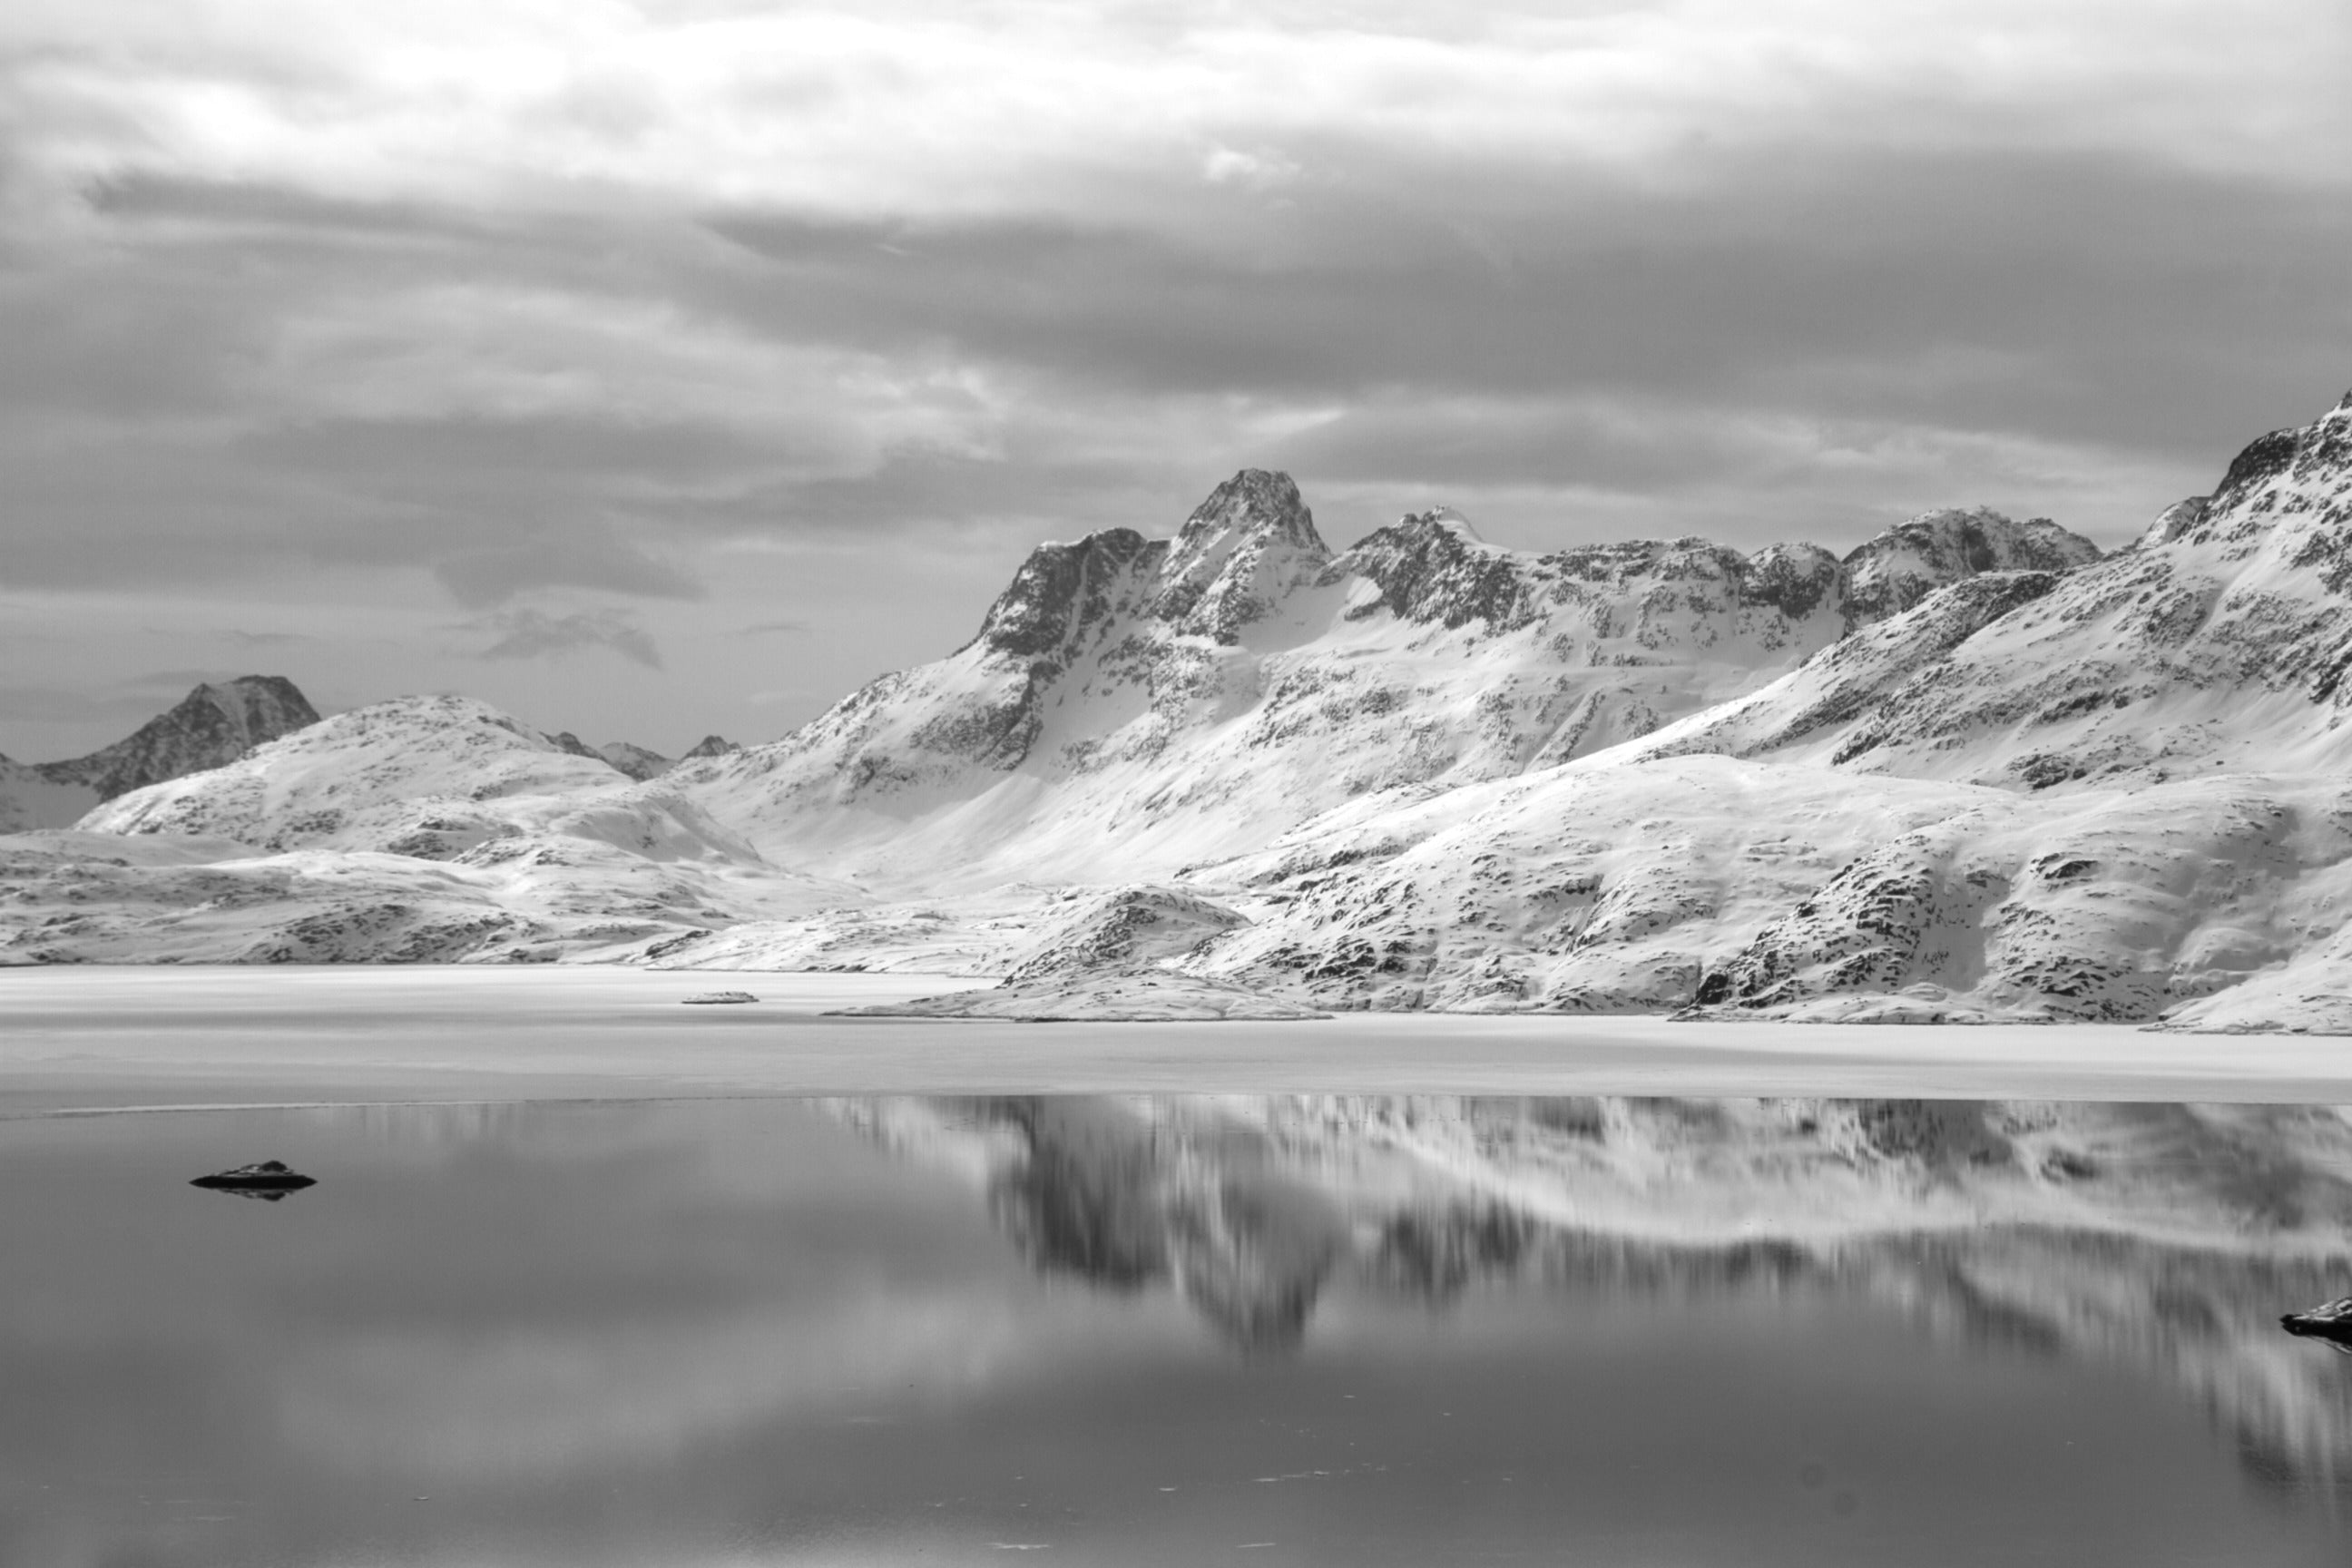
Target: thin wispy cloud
{"type": "Point", "coordinates": [525, 633]}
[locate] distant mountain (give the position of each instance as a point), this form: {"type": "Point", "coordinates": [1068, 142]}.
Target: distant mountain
{"type": "Point", "coordinates": [641, 762]}
{"type": "Point", "coordinates": [431, 777]}
{"type": "Point", "coordinates": [622, 756]}
{"type": "Point", "coordinates": [212, 725]}
{"type": "Point", "coordinates": [422, 829]}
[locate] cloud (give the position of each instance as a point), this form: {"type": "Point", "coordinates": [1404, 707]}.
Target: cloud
{"type": "Point", "coordinates": [766, 628]}
{"type": "Point", "coordinates": [525, 633]}
{"type": "Point", "coordinates": [423, 300]}
{"type": "Point", "coordinates": [483, 577]}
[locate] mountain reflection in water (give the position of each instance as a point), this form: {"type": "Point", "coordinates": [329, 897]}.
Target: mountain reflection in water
{"type": "Point", "coordinates": [1155, 1330]}
{"type": "Point", "coordinates": [2167, 1240]}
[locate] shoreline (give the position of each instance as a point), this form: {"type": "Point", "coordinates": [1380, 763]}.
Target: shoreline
{"type": "Point", "coordinates": [123, 1039]}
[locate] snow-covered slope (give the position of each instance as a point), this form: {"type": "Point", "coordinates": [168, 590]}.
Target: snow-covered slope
{"type": "Point", "coordinates": [212, 725]}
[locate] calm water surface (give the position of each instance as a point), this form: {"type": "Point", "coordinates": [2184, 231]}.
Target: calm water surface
{"type": "Point", "coordinates": [1176, 1332]}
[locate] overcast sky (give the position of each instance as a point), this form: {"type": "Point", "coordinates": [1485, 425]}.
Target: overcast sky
{"type": "Point", "coordinates": [662, 367]}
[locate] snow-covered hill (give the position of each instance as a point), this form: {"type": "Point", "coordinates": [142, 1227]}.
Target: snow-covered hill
{"type": "Point", "coordinates": [423, 828]}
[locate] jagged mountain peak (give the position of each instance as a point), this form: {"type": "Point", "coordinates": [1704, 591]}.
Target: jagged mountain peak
{"type": "Point", "coordinates": [1433, 566]}
{"type": "Point", "coordinates": [1254, 504]}
{"type": "Point", "coordinates": [1437, 522]}
{"type": "Point", "coordinates": [1056, 588]}
{"type": "Point", "coordinates": [1243, 549]}
{"type": "Point", "coordinates": [710, 746]}
{"type": "Point", "coordinates": [2294, 483]}
{"type": "Point", "coordinates": [1454, 522]}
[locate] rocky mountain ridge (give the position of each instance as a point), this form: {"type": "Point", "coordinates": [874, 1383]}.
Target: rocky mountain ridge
{"type": "Point", "coordinates": [1156, 703]}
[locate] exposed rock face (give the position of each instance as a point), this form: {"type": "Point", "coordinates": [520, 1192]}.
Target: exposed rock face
{"type": "Point", "coordinates": [710, 746]}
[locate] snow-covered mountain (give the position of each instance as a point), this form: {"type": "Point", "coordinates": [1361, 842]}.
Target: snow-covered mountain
{"type": "Point", "coordinates": [212, 725]}
{"type": "Point", "coordinates": [1970, 770]}
{"type": "Point", "coordinates": [1132, 706]}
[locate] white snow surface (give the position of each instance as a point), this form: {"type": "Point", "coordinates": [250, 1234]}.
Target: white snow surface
{"type": "Point", "coordinates": [1970, 772]}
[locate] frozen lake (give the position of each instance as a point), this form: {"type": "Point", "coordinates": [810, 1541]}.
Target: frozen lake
{"type": "Point", "coordinates": [1157, 1331]}
{"type": "Point", "coordinates": [98, 1037]}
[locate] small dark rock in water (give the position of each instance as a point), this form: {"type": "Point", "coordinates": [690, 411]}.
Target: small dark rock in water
{"type": "Point", "coordinates": [2332, 1322]}
{"type": "Point", "coordinates": [713, 998]}
{"type": "Point", "coordinates": [269, 1179]}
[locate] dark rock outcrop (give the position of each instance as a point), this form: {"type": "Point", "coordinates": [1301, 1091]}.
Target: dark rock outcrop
{"type": "Point", "coordinates": [2332, 1322]}
{"type": "Point", "coordinates": [270, 1178]}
